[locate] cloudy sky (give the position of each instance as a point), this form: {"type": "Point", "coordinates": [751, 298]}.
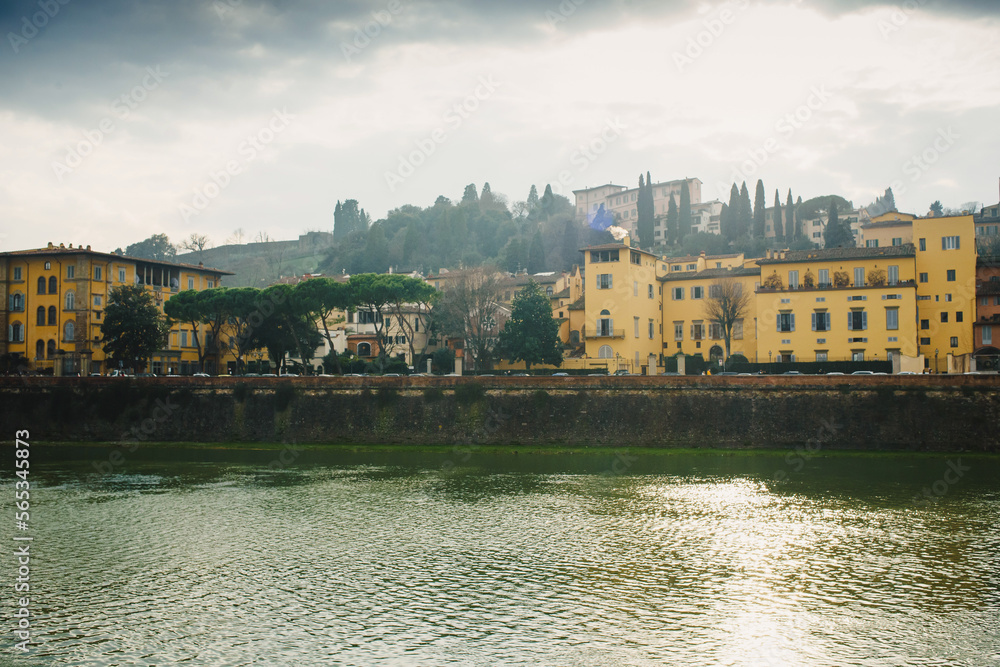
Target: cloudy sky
{"type": "Point", "coordinates": [122, 119]}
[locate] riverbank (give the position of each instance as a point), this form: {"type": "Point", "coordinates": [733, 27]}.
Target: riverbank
{"type": "Point", "coordinates": [828, 413]}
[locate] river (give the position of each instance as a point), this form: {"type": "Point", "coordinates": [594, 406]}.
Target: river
{"type": "Point", "coordinates": [474, 557]}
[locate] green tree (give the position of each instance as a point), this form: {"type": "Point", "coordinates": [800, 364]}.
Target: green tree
{"type": "Point", "coordinates": [746, 211]}
{"type": "Point", "coordinates": [731, 224]}
{"type": "Point", "coordinates": [536, 254]}
{"type": "Point", "coordinates": [198, 309]}
{"type": "Point", "coordinates": [321, 299]}
{"type": "Point", "coordinates": [532, 200]}
{"type": "Point", "coordinates": [790, 230]}
{"type": "Point", "coordinates": [838, 233]}
{"type": "Point", "coordinates": [470, 196]}
{"type": "Point", "coordinates": [531, 334]}
{"type": "Point", "coordinates": [779, 233]}
{"type": "Point", "coordinates": [156, 246]}
{"type": "Point", "coordinates": [937, 208]}
{"type": "Point", "coordinates": [133, 327]}
{"type": "Point", "coordinates": [684, 220]}
{"type": "Point", "coordinates": [673, 221]}
{"type": "Point", "coordinates": [287, 327]}
{"type": "Point", "coordinates": [644, 209]}
{"type": "Point", "coordinates": [759, 206]}
{"type": "Point", "coordinates": [411, 304]}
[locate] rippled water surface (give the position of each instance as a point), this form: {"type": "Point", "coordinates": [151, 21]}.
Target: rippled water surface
{"type": "Point", "coordinates": [461, 558]}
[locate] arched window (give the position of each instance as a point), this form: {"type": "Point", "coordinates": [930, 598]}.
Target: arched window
{"type": "Point", "coordinates": [548, 291]}
{"type": "Point", "coordinates": [17, 302]}
{"type": "Point", "coordinates": [40, 349]}
{"type": "Point", "coordinates": [50, 350]}
{"type": "Point", "coordinates": [53, 285]}
{"type": "Point", "coordinates": [40, 316]}
{"type": "Point", "coordinates": [70, 300]}
{"type": "Point", "coordinates": [605, 352]}
{"type": "Point", "coordinates": [364, 349]}
{"type": "Point", "coordinates": [15, 332]}
{"type": "Point", "coordinates": [52, 316]}
{"type": "Point", "coordinates": [41, 285]}
{"type": "Point", "coordinates": [69, 331]}
{"type": "Point", "coordinates": [605, 325]}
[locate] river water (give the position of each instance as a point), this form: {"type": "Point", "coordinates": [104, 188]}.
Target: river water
{"type": "Point", "coordinates": [460, 557]}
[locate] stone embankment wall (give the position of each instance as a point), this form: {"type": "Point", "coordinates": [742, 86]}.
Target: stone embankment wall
{"type": "Point", "coordinates": [937, 413]}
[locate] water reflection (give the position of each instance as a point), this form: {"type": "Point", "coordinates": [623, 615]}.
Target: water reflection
{"type": "Point", "coordinates": [371, 558]}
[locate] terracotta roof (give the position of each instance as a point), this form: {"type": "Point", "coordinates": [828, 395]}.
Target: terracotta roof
{"type": "Point", "coordinates": [737, 272]}
{"type": "Point", "coordinates": [692, 258]}
{"type": "Point", "coordinates": [577, 305]}
{"type": "Point", "coordinates": [61, 251]}
{"type": "Point", "coordinates": [833, 254]}
{"type": "Point", "coordinates": [561, 294]}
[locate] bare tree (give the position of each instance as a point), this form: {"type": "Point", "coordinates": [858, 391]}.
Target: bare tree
{"type": "Point", "coordinates": [237, 237]}
{"type": "Point", "coordinates": [195, 242]}
{"type": "Point", "coordinates": [727, 304]}
{"type": "Point", "coordinates": [471, 309]}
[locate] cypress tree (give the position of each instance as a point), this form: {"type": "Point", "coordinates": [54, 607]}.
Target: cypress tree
{"type": "Point", "coordinates": [759, 205]}
{"type": "Point", "coordinates": [684, 215]}
{"type": "Point", "coordinates": [730, 230]}
{"type": "Point", "coordinates": [536, 254]}
{"type": "Point", "coordinates": [673, 221]}
{"type": "Point", "coordinates": [644, 208]}
{"type": "Point", "coordinates": [470, 196]}
{"type": "Point", "coordinates": [532, 199]}
{"type": "Point", "coordinates": [746, 211]}
{"type": "Point", "coordinates": [790, 231]}
{"type": "Point", "coordinates": [779, 234]}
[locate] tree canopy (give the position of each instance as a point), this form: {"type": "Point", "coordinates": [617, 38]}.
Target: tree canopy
{"type": "Point", "coordinates": [531, 334]}
{"type": "Point", "coordinates": [157, 246]}
{"type": "Point", "coordinates": [133, 327]}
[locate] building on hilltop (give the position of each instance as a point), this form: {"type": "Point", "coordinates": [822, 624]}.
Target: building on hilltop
{"type": "Point", "coordinates": [622, 202]}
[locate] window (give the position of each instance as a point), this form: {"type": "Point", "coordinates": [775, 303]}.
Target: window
{"type": "Point", "coordinates": [793, 279]}
{"type": "Point", "coordinates": [210, 284]}
{"type": "Point", "coordinates": [697, 330]}
{"type": "Point", "coordinates": [892, 319]}
{"type": "Point", "coordinates": [692, 267]}
{"type": "Point", "coordinates": [893, 275]}
{"type": "Point", "coordinates": [70, 300]}
{"type": "Point", "coordinates": [604, 281]}
{"type": "Point", "coordinates": [17, 302]}
{"type": "Point", "coordinates": [367, 317]}
{"type": "Point", "coordinates": [605, 352]}
{"type": "Point", "coordinates": [97, 273]}
{"type": "Point", "coordinates": [954, 341]}
{"type": "Point", "coordinates": [897, 241]}
{"type": "Point", "coordinates": [951, 275]}
{"type": "Point", "coordinates": [69, 331]}
{"type": "Point", "coordinates": [635, 258]}
{"type": "Point", "coordinates": [50, 349]}
{"type": "Point", "coordinates": [548, 290]}
{"type": "Point", "coordinates": [925, 341]}
{"type": "Point", "coordinates": [987, 335]}
{"type": "Point", "coordinates": [678, 331]}
{"type": "Point", "coordinates": [824, 277]}
{"type": "Point", "coordinates": [738, 329]}
{"type": "Point", "coordinates": [947, 297]}
{"type": "Point", "coordinates": [959, 316]}
{"type": "Point", "coordinates": [364, 349]}
{"type": "Point", "coordinates": [605, 325]}
{"type": "Point", "coordinates": [17, 273]}
{"type": "Point", "coordinates": [923, 277]}
{"type": "Point", "coordinates": [925, 324]}
{"type": "Point", "coordinates": [859, 276]}
{"type": "Point", "coordinates": [635, 288]}
{"type": "Point", "coordinates": [121, 275]}
{"type": "Point", "coordinates": [651, 331]}
{"type": "Point", "coordinates": [15, 333]}
{"type": "Point", "coordinates": [636, 325]}
{"type": "Point", "coordinates": [41, 285]}
{"type": "Point", "coordinates": [857, 355]}
{"type": "Point", "coordinates": [923, 245]}
{"type": "Point", "coordinates": [871, 243]}
{"type": "Point", "coordinates": [821, 356]}
{"type": "Point", "coordinates": [98, 300]}
{"type": "Point", "coordinates": [650, 292]}
{"type": "Point", "coordinates": [857, 320]}
{"type": "Point", "coordinates": [677, 293]}
{"type": "Point", "coordinates": [944, 317]}
{"type": "Point", "coordinates": [786, 322]}
{"type": "Point", "coordinates": [190, 283]}
{"type": "Point", "coordinates": [820, 321]}
{"type": "Point", "coordinates": [40, 316]}
{"type": "Point", "coordinates": [52, 316]}
{"type": "Point", "coordinates": [184, 338]}
{"type": "Point", "coordinates": [715, 331]}
{"type": "Point", "coordinates": [949, 243]}
{"type": "Point", "coordinates": [53, 285]}
{"type": "Point", "coordinates": [48, 265]}
{"type": "Point", "coordinates": [697, 292]}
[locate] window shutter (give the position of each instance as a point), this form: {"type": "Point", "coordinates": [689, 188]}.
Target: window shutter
{"type": "Point", "coordinates": [850, 321]}
{"type": "Point", "coordinates": [793, 322]}
{"type": "Point", "coordinates": [864, 320]}
{"type": "Point", "coordinates": [944, 245]}
{"type": "Point", "coordinates": [814, 318]}
{"type": "Point", "coordinates": [778, 325]}
{"type": "Point", "coordinates": [827, 317]}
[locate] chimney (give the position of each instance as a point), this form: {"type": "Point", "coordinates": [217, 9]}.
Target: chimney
{"type": "Point", "coordinates": [626, 240]}
{"type": "Point", "coordinates": [88, 247]}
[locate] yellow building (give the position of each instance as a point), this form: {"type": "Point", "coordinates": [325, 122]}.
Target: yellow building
{"type": "Point", "coordinates": [622, 311]}
{"type": "Point", "coordinates": [842, 304]}
{"type": "Point", "coordinates": [54, 299]}
{"type": "Point", "coordinates": [885, 233]}
{"type": "Point", "coordinates": [946, 286]}
{"type": "Point", "coordinates": [688, 328]}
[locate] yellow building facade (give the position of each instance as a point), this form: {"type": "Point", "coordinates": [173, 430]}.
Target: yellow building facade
{"type": "Point", "coordinates": [843, 304]}
{"type": "Point", "coordinates": [54, 299]}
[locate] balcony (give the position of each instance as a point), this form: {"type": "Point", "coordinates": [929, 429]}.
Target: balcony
{"type": "Point", "coordinates": [606, 333]}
